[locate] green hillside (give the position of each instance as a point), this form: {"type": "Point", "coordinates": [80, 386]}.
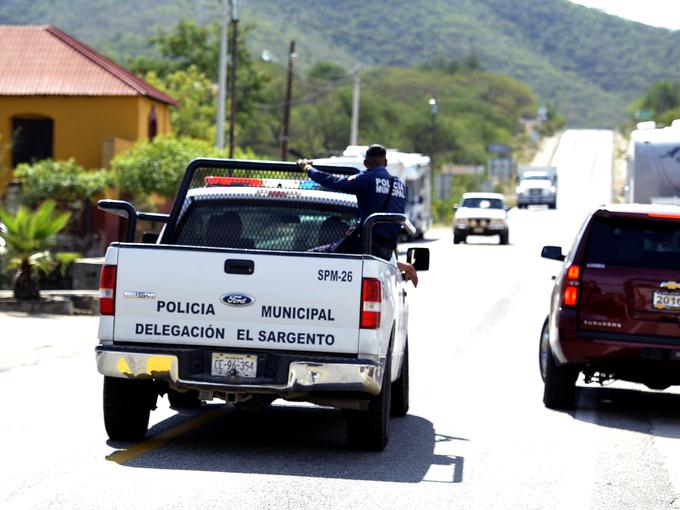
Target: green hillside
{"type": "Point", "coordinates": [586, 63]}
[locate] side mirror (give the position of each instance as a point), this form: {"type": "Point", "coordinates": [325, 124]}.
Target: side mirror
{"type": "Point", "coordinates": [419, 258]}
{"type": "Point", "coordinates": [456, 207]}
{"type": "Point", "coordinates": [119, 208]}
{"type": "Point", "coordinates": [553, 253]}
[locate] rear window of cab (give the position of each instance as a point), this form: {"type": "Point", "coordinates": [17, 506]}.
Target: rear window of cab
{"type": "Point", "coordinates": [263, 224]}
{"type": "Point", "coordinates": [634, 242]}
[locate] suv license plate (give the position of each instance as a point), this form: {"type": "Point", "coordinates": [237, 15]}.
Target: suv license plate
{"type": "Point", "coordinates": [239, 365]}
{"type": "Point", "coordinates": [666, 300]}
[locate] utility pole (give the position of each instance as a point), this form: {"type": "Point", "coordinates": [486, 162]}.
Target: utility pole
{"type": "Point", "coordinates": [354, 131]}
{"type": "Point", "coordinates": [434, 107]}
{"type": "Point", "coordinates": [232, 82]}
{"type": "Point", "coordinates": [286, 104]}
{"type": "Point", "coordinates": [222, 79]}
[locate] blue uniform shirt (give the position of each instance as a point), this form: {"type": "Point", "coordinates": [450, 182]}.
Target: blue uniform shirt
{"type": "Point", "coordinates": [371, 188]}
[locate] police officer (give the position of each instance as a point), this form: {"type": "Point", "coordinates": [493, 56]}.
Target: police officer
{"type": "Point", "coordinates": [376, 191]}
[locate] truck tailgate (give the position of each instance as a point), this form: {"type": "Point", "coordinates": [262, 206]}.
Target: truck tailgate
{"type": "Point", "coordinates": [250, 300]}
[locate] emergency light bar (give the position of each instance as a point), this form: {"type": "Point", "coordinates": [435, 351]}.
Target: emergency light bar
{"type": "Point", "coordinates": [251, 182]}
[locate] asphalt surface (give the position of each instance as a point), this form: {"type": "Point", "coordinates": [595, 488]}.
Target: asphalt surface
{"type": "Point", "coordinates": [477, 435]}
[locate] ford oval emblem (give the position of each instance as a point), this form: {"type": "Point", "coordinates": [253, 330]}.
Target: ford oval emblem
{"type": "Point", "coordinates": [237, 299]}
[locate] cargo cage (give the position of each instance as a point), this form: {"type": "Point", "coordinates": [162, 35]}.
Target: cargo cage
{"type": "Point", "coordinates": [213, 172]}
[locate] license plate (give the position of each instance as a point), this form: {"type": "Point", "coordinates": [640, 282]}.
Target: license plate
{"type": "Point", "coordinates": [238, 365]}
{"type": "Point", "coordinates": [666, 300]}
{"type": "Point", "coordinates": [478, 230]}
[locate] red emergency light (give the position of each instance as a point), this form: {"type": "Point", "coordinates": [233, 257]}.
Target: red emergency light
{"type": "Point", "coordinates": [215, 180]}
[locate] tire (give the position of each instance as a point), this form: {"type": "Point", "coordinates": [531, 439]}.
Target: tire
{"type": "Point", "coordinates": [458, 238]}
{"type": "Point", "coordinates": [552, 206]}
{"type": "Point", "coordinates": [184, 400]}
{"type": "Point", "coordinates": [400, 389]}
{"type": "Point", "coordinates": [543, 348]}
{"type": "Point", "coordinates": [370, 430]}
{"type": "Point", "coordinates": [504, 237]}
{"type": "Point", "coordinates": [127, 405]}
{"type": "Point", "coordinates": [559, 390]}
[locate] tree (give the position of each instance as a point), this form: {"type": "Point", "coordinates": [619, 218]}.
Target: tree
{"type": "Point", "coordinates": [29, 237]}
{"type": "Point", "coordinates": [187, 56]}
{"type": "Point", "coordinates": [156, 167]}
{"type": "Point", "coordinates": [195, 116]}
{"type": "Point", "coordinates": [661, 97]}
{"type": "Point", "coordinates": [326, 71]}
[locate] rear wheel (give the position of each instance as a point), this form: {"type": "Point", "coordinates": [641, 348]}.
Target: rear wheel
{"type": "Point", "coordinates": [370, 429]}
{"type": "Point", "coordinates": [400, 389]}
{"type": "Point", "coordinates": [559, 391]}
{"type": "Point", "coordinates": [127, 405]}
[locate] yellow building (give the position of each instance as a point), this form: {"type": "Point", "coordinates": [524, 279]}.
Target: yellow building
{"type": "Point", "coordinates": [60, 99]}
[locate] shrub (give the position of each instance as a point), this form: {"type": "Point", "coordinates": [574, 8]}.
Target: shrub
{"type": "Point", "coordinates": [63, 181]}
{"type": "Point", "coordinates": [157, 166]}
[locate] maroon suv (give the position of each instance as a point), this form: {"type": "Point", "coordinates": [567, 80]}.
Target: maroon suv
{"type": "Point", "coordinates": [615, 307]}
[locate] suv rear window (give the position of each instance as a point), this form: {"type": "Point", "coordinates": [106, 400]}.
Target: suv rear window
{"type": "Point", "coordinates": [634, 242]}
{"type": "Point", "coordinates": [263, 224]}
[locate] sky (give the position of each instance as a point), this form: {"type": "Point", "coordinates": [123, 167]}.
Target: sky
{"type": "Point", "coordinates": [659, 13]}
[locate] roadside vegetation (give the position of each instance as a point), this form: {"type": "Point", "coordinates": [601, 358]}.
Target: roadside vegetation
{"type": "Point", "coordinates": [588, 63]}
{"type": "Point", "coordinates": [660, 103]}
{"type": "Point", "coordinates": [30, 237]}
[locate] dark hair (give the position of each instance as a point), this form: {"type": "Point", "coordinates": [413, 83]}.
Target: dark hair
{"type": "Point", "coordinates": [376, 151]}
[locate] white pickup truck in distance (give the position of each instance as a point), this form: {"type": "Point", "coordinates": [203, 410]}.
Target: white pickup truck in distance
{"type": "Point", "coordinates": [537, 186]}
{"type": "Point", "coordinates": [230, 303]}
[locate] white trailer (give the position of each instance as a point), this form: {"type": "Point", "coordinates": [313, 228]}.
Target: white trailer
{"type": "Point", "coordinates": [412, 168]}
{"type": "Point", "coordinates": [654, 165]}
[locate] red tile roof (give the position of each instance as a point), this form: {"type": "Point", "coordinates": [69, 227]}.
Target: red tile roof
{"type": "Point", "coordinates": [43, 60]}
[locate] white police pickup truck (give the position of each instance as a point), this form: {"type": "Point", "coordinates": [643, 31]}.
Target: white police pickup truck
{"type": "Point", "coordinates": [228, 302]}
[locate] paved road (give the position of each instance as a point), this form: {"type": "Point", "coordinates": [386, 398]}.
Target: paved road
{"type": "Point", "coordinates": [477, 435]}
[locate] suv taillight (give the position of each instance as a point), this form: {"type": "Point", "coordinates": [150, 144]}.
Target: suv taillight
{"type": "Point", "coordinates": [107, 291]}
{"type": "Point", "coordinates": [370, 303]}
{"type": "Point", "coordinates": [571, 284]}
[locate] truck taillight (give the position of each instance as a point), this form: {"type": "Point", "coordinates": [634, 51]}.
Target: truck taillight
{"type": "Point", "coordinates": [571, 284]}
{"type": "Point", "coordinates": [107, 291]}
{"type": "Point", "coordinates": [370, 303]}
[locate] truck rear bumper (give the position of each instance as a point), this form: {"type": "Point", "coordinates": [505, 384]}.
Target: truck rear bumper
{"type": "Point", "coordinates": [303, 376]}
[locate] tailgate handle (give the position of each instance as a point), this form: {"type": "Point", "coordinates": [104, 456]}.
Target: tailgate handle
{"type": "Point", "coordinates": [239, 266]}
